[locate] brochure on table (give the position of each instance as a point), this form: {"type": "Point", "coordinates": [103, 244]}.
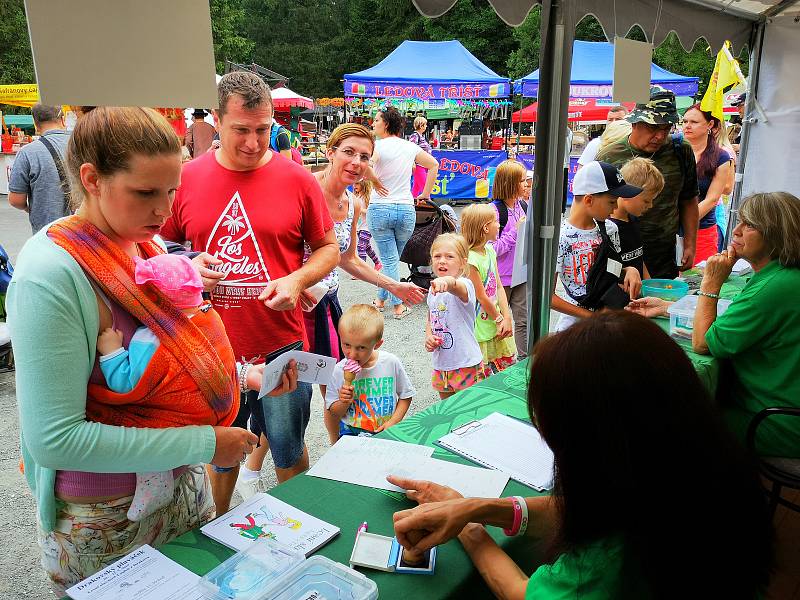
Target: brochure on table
{"type": "Point", "coordinates": [144, 574]}
{"type": "Point", "coordinates": [264, 516]}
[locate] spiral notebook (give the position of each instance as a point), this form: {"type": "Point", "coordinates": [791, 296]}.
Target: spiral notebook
{"type": "Point", "coordinates": [505, 444]}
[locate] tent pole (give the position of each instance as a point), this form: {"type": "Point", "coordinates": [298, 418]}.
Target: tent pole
{"type": "Point", "coordinates": [519, 125]}
{"type": "Point", "coordinates": [755, 71]}
{"type": "Point", "coordinates": [557, 33]}
{"type": "Point", "coordinates": [509, 123]}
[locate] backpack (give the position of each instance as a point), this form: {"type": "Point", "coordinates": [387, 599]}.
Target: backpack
{"type": "Point", "coordinates": [602, 290]}
{"type": "Point", "coordinates": [502, 210]}
{"type": "Point", "coordinates": [273, 143]}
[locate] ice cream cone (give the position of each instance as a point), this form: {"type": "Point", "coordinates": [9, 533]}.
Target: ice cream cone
{"type": "Point", "coordinates": [349, 377]}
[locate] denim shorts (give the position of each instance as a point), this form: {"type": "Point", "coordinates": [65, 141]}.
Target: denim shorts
{"type": "Point", "coordinates": [285, 427]}
{"type": "Point", "coordinates": [285, 419]}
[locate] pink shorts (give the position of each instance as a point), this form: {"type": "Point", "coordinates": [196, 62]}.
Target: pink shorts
{"type": "Point", "coordinates": [457, 379]}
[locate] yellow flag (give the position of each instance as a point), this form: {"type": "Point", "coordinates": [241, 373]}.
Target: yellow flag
{"type": "Point", "coordinates": [725, 75]}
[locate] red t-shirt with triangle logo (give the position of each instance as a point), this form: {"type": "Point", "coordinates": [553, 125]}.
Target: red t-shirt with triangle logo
{"type": "Point", "coordinates": [255, 222]}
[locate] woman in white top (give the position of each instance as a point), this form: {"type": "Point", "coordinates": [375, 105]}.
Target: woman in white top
{"type": "Point", "coordinates": [391, 217]}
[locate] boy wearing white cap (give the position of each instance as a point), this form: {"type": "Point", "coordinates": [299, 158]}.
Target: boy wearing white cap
{"type": "Point", "coordinates": [595, 189]}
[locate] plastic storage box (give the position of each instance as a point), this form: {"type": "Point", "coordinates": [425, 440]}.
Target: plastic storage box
{"type": "Point", "coordinates": [268, 570]}
{"type": "Point", "coordinates": [666, 289]}
{"type": "Point", "coordinates": [681, 316]}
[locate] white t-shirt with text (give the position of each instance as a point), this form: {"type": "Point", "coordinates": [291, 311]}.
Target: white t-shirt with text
{"type": "Point", "coordinates": [576, 254]}
{"type": "Point", "coordinates": [376, 393]}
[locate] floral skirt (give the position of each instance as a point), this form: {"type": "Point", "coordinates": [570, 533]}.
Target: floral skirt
{"type": "Point", "coordinates": [498, 354]}
{"type": "Point", "coordinates": [89, 537]}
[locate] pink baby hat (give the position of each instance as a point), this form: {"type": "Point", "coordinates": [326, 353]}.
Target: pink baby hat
{"type": "Point", "coordinates": [173, 274]}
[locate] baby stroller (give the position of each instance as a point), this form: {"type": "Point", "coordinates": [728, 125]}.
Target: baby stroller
{"type": "Point", "coordinates": [432, 220]}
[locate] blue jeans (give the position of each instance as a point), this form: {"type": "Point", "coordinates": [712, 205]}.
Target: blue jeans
{"type": "Point", "coordinates": [286, 418]}
{"type": "Point", "coordinates": [391, 226]}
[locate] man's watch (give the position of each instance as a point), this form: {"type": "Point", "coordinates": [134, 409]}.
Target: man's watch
{"type": "Point", "coordinates": [499, 319]}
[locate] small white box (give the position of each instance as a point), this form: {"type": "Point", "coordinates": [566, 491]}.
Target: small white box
{"type": "Point", "coordinates": [386, 554]}
{"type": "Point", "coordinates": [681, 316]}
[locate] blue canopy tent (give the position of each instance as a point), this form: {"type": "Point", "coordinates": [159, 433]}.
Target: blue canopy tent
{"type": "Point", "coordinates": [592, 74]}
{"type": "Point", "coordinates": [428, 71]}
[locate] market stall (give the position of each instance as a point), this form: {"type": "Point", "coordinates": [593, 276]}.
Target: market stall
{"type": "Point", "coordinates": [592, 74]}
{"type": "Point", "coordinates": [15, 129]}
{"type": "Point", "coordinates": [579, 110]}
{"type": "Point", "coordinates": [420, 76]}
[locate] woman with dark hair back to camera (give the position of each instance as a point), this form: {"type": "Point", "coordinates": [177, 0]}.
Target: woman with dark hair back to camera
{"type": "Point", "coordinates": [390, 216]}
{"type": "Point", "coordinates": [648, 482]}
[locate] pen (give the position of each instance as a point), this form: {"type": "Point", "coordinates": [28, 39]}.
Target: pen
{"type": "Point", "coordinates": [362, 527]}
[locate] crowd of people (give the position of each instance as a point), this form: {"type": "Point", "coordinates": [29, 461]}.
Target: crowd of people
{"type": "Point", "coordinates": [158, 302]}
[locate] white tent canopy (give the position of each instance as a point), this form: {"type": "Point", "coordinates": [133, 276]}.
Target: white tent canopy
{"type": "Point", "coordinates": [715, 20]}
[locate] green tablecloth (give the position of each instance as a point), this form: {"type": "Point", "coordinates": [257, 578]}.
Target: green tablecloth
{"type": "Point", "coordinates": [707, 366]}
{"type": "Point", "coordinates": [347, 506]}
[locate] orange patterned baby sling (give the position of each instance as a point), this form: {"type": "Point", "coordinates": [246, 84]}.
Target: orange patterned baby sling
{"type": "Point", "coordinates": [191, 378]}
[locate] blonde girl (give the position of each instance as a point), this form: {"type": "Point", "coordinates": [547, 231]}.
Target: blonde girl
{"type": "Point", "coordinates": [510, 194]}
{"type": "Point", "coordinates": [361, 191]}
{"type": "Point", "coordinates": [450, 329]}
{"type": "Point", "coordinates": [479, 225]}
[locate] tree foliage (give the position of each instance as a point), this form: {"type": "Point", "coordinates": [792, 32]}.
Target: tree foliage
{"type": "Point", "coordinates": [316, 42]}
{"type": "Point", "coordinates": [16, 60]}
{"type": "Point", "coordinates": [228, 18]}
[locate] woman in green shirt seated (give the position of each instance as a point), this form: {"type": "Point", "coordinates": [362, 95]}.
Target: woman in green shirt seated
{"type": "Point", "coordinates": [648, 482]}
{"type": "Point", "coordinates": [760, 331]}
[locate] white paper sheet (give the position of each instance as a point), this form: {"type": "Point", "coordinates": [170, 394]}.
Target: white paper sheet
{"type": "Point", "coordinates": [506, 444]}
{"type": "Point", "coordinates": [469, 481]}
{"type": "Point", "coordinates": [144, 574]}
{"type": "Point", "coordinates": [368, 461]}
{"type": "Point", "coordinates": [311, 368]}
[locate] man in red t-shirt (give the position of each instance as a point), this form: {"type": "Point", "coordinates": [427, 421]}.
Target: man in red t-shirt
{"type": "Point", "coordinates": [252, 209]}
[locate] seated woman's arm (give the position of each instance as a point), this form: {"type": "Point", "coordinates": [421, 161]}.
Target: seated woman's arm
{"type": "Point", "coordinates": [443, 514]}
{"type": "Point", "coordinates": [718, 268]}
{"type": "Point", "coordinates": [54, 340]}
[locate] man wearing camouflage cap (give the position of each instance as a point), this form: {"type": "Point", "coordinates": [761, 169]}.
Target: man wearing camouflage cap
{"type": "Point", "coordinates": [676, 205]}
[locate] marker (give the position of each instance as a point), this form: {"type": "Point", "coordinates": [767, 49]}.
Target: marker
{"type": "Point", "coordinates": [362, 527]}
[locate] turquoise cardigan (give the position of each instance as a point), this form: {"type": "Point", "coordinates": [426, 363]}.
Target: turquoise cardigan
{"type": "Point", "coordinates": [54, 320]}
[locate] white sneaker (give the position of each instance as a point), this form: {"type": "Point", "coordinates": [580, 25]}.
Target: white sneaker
{"type": "Point", "coordinates": [247, 488]}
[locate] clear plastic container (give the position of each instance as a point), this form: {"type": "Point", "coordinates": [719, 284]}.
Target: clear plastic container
{"type": "Point", "coordinates": [320, 578]}
{"type": "Point", "coordinates": [681, 316]}
{"type": "Point", "coordinates": [268, 570]}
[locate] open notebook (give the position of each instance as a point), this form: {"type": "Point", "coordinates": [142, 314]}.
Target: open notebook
{"type": "Point", "coordinates": [264, 516]}
{"type": "Point", "coordinates": [506, 444]}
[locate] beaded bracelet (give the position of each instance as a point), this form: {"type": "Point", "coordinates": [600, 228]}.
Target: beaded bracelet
{"type": "Point", "coordinates": [708, 295]}
{"type": "Point", "coordinates": [243, 371]}
{"type": "Point", "coordinates": [517, 518]}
